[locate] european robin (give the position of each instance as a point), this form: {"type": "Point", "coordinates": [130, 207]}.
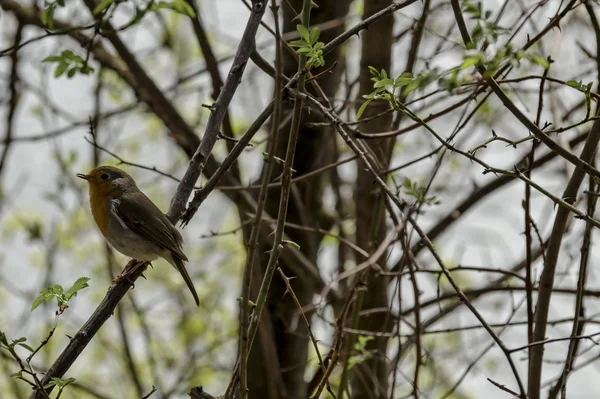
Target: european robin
{"type": "Point", "coordinates": [131, 223]}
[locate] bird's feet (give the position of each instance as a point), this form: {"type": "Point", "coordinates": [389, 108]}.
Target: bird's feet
{"type": "Point", "coordinates": [129, 269]}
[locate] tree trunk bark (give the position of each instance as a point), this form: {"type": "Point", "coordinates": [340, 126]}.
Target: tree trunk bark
{"type": "Point", "coordinates": [369, 379]}
{"type": "Point", "coordinates": [285, 335]}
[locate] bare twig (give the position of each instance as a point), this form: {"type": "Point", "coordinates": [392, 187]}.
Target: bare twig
{"type": "Point", "coordinates": [14, 96]}
{"type": "Point", "coordinates": [256, 223]}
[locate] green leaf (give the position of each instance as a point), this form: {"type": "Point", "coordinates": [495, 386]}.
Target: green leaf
{"type": "Point", "coordinates": [60, 69]}
{"type": "Point", "coordinates": [57, 289]}
{"type": "Point", "coordinates": [314, 35]}
{"type": "Point", "coordinates": [86, 69]}
{"type": "Point", "coordinates": [383, 83]}
{"type": "Point", "coordinates": [298, 43]}
{"type": "Point", "coordinates": [69, 55]}
{"type": "Point", "coordinates": [18, 374]}
{"type": "Point", "coordinates": [471, 60]}
{"type": "Point", "coordinates": [538, 59]}
{"type": "Point", "coordinates": [178, 6]}
{"type": "Point", "coordinates": [404, 79]}
{"type": "Point", "coordinates": [29, 348]}
{"type": "Point", "coordinates": [53, 58]}
{"type": "Point", "coordinates": [303, 32]}
{"type": "Point", "coordinates": [47, 16]}
{"type": "Point", "coordinates": [44, 297]}
{"type": "Point", "coordinates": [362, 341]}
{"type": "Point", "coordinates": [291, 243]}
{"type": "Point", "coordinates": [411, 87]}
{"type": "Point", "coordinates": [362, 108]}
{"type": "Point", "coordinates": [104, 4]}
{"type": "Point", "coordinates": [79, 284]}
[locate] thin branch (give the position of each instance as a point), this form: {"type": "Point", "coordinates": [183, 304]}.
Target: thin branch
{"type": "Point", "coordinates": [549, 341]}
{"type": "Point", "coordinates": [14, 94]}
{"type": "Point", "coordinates": [256, 223]}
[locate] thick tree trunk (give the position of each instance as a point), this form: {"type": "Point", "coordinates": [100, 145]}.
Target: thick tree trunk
{"type": "Point", "coordinates": [369, 379]}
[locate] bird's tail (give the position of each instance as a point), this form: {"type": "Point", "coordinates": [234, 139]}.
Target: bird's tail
{"type": "Point", "coordinates": [178, 263]}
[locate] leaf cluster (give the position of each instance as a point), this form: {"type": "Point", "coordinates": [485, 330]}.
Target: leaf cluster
{"type": "Point", "coordinates": [47, 14]}
{"type": "Point", "coordinates": [310, 46]}
{"type": "Point", "coordinates": [486, 30]}
{"type": "Point", "coordinates": [386, 87]}
{"type": "Point", "coordinates": [419, 193]}
{"type": "Point", "coordinates": [585, 89]}
{"type": "Point", "coordinates": [58, 292]}
{"type": "Point", "coordinates": [70, 63]}
{"type": "Point", "coordinates": [179, 6]}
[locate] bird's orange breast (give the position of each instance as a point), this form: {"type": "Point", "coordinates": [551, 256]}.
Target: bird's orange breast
{"type": "Point", "coordinates": [99, 204]}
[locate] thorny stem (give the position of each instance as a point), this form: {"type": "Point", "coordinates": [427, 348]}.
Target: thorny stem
{"type": "Point", "coordinates": [256, 224]}
{"type": "Point", "coordinates": [283, 203]}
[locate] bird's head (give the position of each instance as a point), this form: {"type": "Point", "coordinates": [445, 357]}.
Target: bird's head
{"type": "Point", "coordinates": [108, 181]}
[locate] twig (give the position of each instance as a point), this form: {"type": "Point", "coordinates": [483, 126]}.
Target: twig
{"type": "Point", "coordinates": [338, 339]}
{"type": "Point", "coordinates": [256, 223]}
{"type": "Point", "coordinates": [503, 388]}
{"type": "Point", "coordinates": [549, 270]}
{"type": "Point", "coordinates": [124, 162]}
{"type": "Point", "coordinates": [14, 96]}
{"type": "Point", "coordinates": [549, 341]}
{"type": "Point", "coordinates": [294, 180]}
{"type": "Point", "coordinates": [149, 393]}
{"type": "Point", "coordinates": [313, 340]}
{"type": "Point", "coordinates": [233, 155]}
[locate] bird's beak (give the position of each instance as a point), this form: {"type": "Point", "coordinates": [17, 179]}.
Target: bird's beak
{"type": "Point", "coordinates": [84, 176]}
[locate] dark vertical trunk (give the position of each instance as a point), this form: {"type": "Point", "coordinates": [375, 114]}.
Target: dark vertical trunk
{"type": "Point", "coordinates": [283, 339]}
{"type": "Point", "coordinates": [369, 378]}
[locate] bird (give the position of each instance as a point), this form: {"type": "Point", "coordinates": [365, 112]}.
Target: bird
{"type": "Point", "coordinates": [132, 224]}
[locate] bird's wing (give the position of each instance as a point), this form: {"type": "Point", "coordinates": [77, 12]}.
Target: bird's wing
{"type": "Point", "coordinates": [140, 214]}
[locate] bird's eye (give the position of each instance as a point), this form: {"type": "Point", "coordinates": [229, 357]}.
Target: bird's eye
{"type": "Point", "coordinates": [104, 176]}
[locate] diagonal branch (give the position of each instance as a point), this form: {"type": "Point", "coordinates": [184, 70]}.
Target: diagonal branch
{"type": "Point", "coordinates": [14, 97]}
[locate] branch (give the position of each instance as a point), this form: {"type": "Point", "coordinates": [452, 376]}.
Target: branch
{"type": "Point", "coordinates": [14, 96]}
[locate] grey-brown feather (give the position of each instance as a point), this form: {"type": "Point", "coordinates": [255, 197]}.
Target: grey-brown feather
{"type": "Point", "coordinates": [142, 217]}
{"type": "Point", "coordinates": [140, 214]}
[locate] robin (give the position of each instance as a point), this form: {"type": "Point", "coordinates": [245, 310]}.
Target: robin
{"type": "Point", "coordinates": [132, 224]}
